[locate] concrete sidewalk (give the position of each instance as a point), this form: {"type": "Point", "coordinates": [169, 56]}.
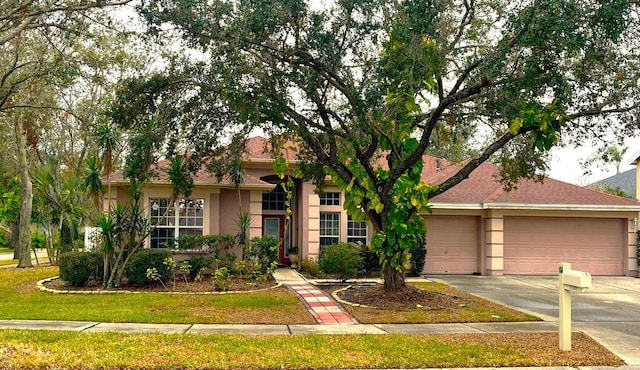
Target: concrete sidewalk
{"type": "Point", "coordinates": [88, 326]}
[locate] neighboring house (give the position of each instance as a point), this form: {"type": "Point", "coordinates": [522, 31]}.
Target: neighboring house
{"type": "Point", "coordinates": [474, 228]}
{"type": "Point", "coordinates": [625, 181]}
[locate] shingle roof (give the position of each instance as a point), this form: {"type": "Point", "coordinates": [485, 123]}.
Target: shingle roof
{"type": "Point", "coordinates": [626, 181]}
{"type": "Point", "coordinates": [201, 177]}
{"type": "Point", "coordinates": [259, 148]}
{"type": "Point", "coordinates": [482, 186]}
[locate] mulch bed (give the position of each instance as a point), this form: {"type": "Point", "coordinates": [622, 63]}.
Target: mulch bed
{"type": "Point", "coordinates": [409, 298]}
{"type": "Point", "coordinates": [237, 284]}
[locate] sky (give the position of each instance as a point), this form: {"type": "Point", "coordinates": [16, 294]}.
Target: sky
{"type": "Point", "coordinates": [566, 163]}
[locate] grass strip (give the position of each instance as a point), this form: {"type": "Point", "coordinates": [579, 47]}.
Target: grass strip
{"type": "Point", "coordinates": [8, 262]}
{"type": "Point", "coordinates": [41, 349]}
{"type": "Point", "coordinates": [22, 300]}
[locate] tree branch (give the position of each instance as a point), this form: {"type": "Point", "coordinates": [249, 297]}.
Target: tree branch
{"type": "Point", "coordinates": [474, 163]}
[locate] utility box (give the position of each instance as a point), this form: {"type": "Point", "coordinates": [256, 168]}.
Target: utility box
{"type": "Point", "coordinates": [576, 280]}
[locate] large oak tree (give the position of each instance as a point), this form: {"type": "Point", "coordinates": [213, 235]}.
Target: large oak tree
{"type": "Point", "coordinates": [367, 87]}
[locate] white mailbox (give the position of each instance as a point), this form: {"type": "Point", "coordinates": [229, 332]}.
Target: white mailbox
{"type": "Point", "coordinates": [570, 281]}
{"type": "Point", "coordinates": [576, 280]}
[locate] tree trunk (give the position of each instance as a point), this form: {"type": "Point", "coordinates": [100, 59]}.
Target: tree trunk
{"type": "Point", "coordinates": [115, 266]}
{"type": "Point", "coordinates": [105, 271]}
{"type": "Point", "coordinates": [48, 242]}
{"type": "Point", "coordinates": [393, 280]}
{"type": "Point", "coordinates": [24, 232]}
{"type": "Point", "coordinates": [15, 232]}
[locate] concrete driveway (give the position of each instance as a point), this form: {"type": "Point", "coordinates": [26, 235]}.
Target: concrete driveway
{"type": "Point", "coordinates": [609, 312]}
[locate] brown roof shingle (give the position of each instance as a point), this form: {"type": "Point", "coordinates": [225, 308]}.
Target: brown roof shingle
{"type": "Point", "coordinates": [482, 186]}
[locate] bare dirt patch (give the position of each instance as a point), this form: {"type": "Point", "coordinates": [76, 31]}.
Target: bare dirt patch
{"type": "Point", "coordinates": [420, 303]}
{"type": "Point", "coordinates": [409, 298]}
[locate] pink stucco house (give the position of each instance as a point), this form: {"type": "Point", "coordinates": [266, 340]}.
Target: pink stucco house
{"type": "Point", "coordinates": [475, 228]}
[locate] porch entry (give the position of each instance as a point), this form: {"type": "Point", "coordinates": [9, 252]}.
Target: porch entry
{"type": "Point", "coordinates": [275, 226]}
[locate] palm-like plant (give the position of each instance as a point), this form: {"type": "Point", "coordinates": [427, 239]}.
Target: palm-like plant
{"type": "Point", "coordinates": [57, 202]}
{"type": "Point", "coordinates": [107, 244]}
{"type": "Point", "coordinates": [237, 175]}
{"type": "Point", "coordinates": [124, 232]}
{"type": "Point", "coordinates": [92, 181]}
{"type": "Point", "coordinates": [108, 139]}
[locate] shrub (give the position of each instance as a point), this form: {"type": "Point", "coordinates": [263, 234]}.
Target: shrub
{"type": "Point", "coordinates": [145, 259]}
{"type": "Point", "coordinates": [221, 279]}
{"type": "Point", "coordinates": [264, 250]}
{"type": "Point", "coordinates": [4, 241]}
{"type": "Point", "coordinates": [311, 267]}
{"type": "Point", "coordinates": [78, 268]}
{"type": "Point", "coordinates": [198, 264]}
{"type": "Point", "coordinates": [342, 259]}
{"type": "Point", "coordinates": [37, 240]}
{"type": "Point", "coordinates": [370, 259]}
{"type": "Point", "coordinates": [418, 255]}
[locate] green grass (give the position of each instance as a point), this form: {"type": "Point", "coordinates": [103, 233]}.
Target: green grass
{"type": "Point", "coordinates": [8, 262]}
{"type": "Point", "coordinates": [43, 349]}
{"type": "Point", "coordinates": [6, 250]}
{"type": "Point", "coordinates": [22, 300]}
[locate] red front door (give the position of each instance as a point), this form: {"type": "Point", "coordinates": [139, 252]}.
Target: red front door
{"type": "Point", "coordinates": [275, 226]}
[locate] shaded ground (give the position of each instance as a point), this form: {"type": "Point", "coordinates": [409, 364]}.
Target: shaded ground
{"type": "Point", "coordinates": [410, 298]}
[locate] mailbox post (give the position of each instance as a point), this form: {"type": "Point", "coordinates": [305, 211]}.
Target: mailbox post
{"type": "Point", "coordinates": [570, 281]}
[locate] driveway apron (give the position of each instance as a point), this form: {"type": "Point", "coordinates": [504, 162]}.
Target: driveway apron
{"type": "Point", "coordinates": [609, 312]}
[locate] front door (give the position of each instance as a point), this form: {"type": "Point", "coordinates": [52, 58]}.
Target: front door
{"type": "Point", "coordinates": [275, 226]}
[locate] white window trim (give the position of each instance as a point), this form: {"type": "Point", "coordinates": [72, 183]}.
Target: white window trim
{"type": "Point", "coordinates": [366, 230]}
{"type": "Point", "coordinates": [339, 228]}
{"type": "Point", "coordinates": [174, 220]}
{"type": "Point", "coordinates": [324, 198]}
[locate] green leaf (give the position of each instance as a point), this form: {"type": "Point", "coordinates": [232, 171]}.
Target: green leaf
{"type": "Point", "coordinates": [280, 166]}
{"type": "Point", "coordinates": [515, 126]}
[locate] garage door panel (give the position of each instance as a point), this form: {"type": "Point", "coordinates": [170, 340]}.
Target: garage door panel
{"type": "Point", "coordinates": [538, 245]}
{"type": "Point", "coordinates": [452, 245]}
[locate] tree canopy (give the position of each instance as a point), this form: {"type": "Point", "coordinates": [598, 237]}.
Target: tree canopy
{"type": "Point", "coordinates": [367, 87]}
{"type": "Point", "coordinates": [58, 62]}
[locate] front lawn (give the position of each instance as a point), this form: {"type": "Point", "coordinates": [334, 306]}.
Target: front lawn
{"type": "Point", "coordinates": [22, 300]}
{"type": "Point", "coordinates": [43, 349]}
{"type": "Point", "coordinates": [8, 262]}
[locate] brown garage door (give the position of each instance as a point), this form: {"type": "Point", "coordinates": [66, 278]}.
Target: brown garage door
{"type": "Point", "coordinates": [452, 245]}
{"type": "Point", "coordinates": [536, 245]}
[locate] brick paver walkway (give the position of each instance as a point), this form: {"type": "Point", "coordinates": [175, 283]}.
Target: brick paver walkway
{"type": "Point", "coordinates": [321, 306]}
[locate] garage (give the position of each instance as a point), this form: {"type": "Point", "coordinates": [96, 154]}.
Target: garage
{"type": "Point", "coordinates": [536, 245]}
{"type": "Point", "coordinates": [452, 245]}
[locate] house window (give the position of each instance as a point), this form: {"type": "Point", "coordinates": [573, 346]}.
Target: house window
{"type": "Point", "coordinates": [329, 228]}
{"type": "Point", "coordinates": [356, 231]}
{"type": "Point", "coordinates": [170, 224]}
{"type": "Point", "coordinates": [274, 200]}
{"type": "Point", "coordinates": [330, 199]}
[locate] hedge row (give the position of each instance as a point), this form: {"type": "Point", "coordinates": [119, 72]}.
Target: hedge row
{"type": "Point", "coordinates": [81, 268]}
